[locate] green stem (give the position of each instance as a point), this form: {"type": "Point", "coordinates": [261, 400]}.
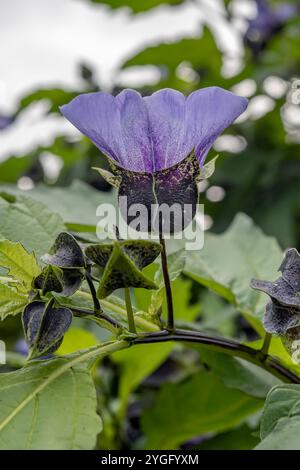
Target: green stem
{"type": "Point", "coordinates": [140, 321]}
{"type": "Point", "coordinates": [130, 315]}
{"type": "Point", "coordinates": [168, 290]}
{"type": "Point", "coordinates": [266, 344]}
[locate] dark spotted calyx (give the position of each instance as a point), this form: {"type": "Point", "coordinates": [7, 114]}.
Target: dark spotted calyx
{"type": "Point", "coordinates": [49, 280]}
{"type": "Point", "coordinates": [65, 253]}
{"type": "Point", "coordinates": [44, 327]}
{"type": "Point", "coordinates": [282, 315]}
{"type": "Point", "coordinates": [65, 270]}
{"type": "Point", "coordinates": [53, 279]}
{"type": "Point", "coordinates": [122, 263]}
{"type": "Point", "coordinates": [165, 199]}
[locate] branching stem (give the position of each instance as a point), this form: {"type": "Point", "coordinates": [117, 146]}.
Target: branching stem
{"type": "Point", "coordinates": [227, 346]}
{"type": "Point", "coordinates": [90, 314]}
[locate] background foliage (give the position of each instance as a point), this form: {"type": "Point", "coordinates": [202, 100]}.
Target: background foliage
{"type": "Point", "coordinates": [166, 396]}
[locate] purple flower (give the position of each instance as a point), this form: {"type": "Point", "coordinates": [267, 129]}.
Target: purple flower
{"type": "Point", "coordinates": [267, 23]}
{"type": "Point", "coordinates": [158, 131]}
{"type": "Point", "coordinates": [155, 145]}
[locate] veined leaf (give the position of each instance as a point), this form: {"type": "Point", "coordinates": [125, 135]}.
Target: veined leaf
{"type": "Point", "coordinates": [75, 339]}
{"type": "Point", "coordinates": [29, 222]}
{"type": "Point", "coordinates": [21, 265]}
{"type": "Point", "coordinates": [198, 406]}
{"type": "Point", "coordinates": [12, 300]}
{"type": "Point", "coordinates": [136, 364]}
{"type": "Point", "coordinates": [280, 425]}
{"type": "Point", "coordinates": [239, 374]}
{"type": "Point", "coordinates": [229, 261]}
{"type": "Point", "coordinates": [52, 404]}
{"type": "Point", "coordinates": [76, 204]}
{"type": "Point", "coordinates": [170, 55]}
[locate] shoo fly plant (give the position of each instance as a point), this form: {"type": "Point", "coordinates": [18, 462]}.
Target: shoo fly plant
{"type": "Point", "coordinates": [156, 147]}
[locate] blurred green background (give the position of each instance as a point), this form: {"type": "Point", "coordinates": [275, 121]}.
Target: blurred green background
{"type": "Point", "coordinates": [55, 50]}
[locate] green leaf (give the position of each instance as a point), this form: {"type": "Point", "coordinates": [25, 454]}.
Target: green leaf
{"type": "Point", "coordinates": [76, 204]}
{"type": "Point", "coordinates": [52, 404]}
{"type": "Point", "coordinates": [185, 310]}
{"type": "Point", "coordinates": [76, 339]}
{"type": "Point", "coordinates": [122, 262]}
{"type": "Point", "coordinates": [229, 261]}
{"type": "Point", "coordinates": [218, 315]}
{"type": "Point", "coordinates": [280, 425]}
{"type": "Point", "coordinates": [171, 55]}
{"type": "Point", "coordinates": [198, 406]}
{"type": "Point", "coordinates": [285, 436]}
{"type": "Point", "coordinates": [55, 96]}
{"type": "Point", "coordinates": [136, 364]}
{"type": "Point", "coordinates": [48, 406]}
{"type": "Point", "coordinates": [242, 438]}
{"type": "Point", "coordinates": [12, 300]}
{"type": "Point", "coordinates": [21, 265]}
{"type": "Point", "coordinates": [111, 179]}
{"type": "Point", "coordinates": [239, 374]}
{"type": "Point", "coordinates": [137, 6]}
{"type": "Point", "coordinates": [14, 167]}
{"type": "Point", "coordinates": [208, 169]}
{"type": "Point", "coordinates": [29, 222]}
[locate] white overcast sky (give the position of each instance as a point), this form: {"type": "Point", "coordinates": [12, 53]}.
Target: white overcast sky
{"type": "Point", "coordinates": [42, 42]}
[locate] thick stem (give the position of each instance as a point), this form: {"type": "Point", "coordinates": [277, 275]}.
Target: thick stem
{"type": "Point", "coordinates": [212, 343]}
{"type": "Point", "coordinates": [97, 306]}
{"type": "Point", "coordinates": [168, 290]}
{"type": "Point", "coordinates": [226, 346]}
{"type": "Point", "coordinates": [130, 315]}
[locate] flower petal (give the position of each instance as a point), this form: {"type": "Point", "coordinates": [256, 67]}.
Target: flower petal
{"type": "Point", "coordinates": [117, 126]}
{"type": "Point", "coordinates": [166, 110]}
{"type": "Point", "coordinates": [157, 132]}
{"type": "Point", "coordinates": [97, 116]}
{"type": "Point", "coordinates": [208, 112]}
{"type": "Point", "coordinates": [137, 154]}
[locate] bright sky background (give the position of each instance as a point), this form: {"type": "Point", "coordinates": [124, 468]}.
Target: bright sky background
{"type": "Point", "coordinates": [42, 42]}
